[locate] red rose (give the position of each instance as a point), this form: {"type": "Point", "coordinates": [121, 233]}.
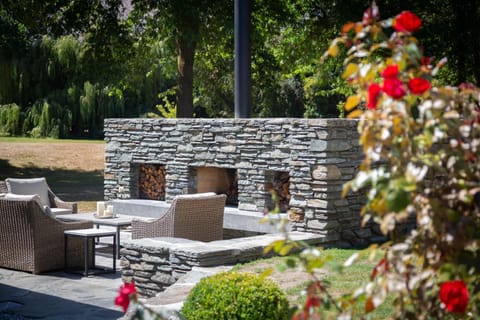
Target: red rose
{"type": "Point", "coordinates": [394, 88]}
{"type": "Point", "coordinates": [124, 294]}
{"type": "Point", "coordinates": [390, 71]}
{"type": "Point", "coordinates": [454, 295]}
{"type": "Point", "coordinates": [407, 22]}
{"type": "Point", "coordinates": [374, 91]}
{"type": "Point", "coordinates": [418, 85]}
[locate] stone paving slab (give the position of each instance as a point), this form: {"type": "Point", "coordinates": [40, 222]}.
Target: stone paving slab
{"type": "Point", "coordinates": [58, 295]}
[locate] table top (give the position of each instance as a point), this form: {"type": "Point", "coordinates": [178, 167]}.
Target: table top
{"type": "Point", "coordinates": [119, 220]}
{"type": "Point", "coordinates": [92, 232]}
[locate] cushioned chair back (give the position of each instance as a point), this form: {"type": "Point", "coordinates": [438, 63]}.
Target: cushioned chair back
{"type": "Point", "coordinates": [199, 217]}
{"type": "Point", "coordinates": [31, 186]}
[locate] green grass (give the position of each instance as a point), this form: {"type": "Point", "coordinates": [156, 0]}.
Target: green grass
{"type": "Point", "coordinates": [338, 280]}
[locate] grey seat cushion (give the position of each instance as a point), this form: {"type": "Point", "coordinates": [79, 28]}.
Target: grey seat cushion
{"type": "Point", "coordinates": [195, 195]}
{"type": "Point", "coordinates": [37, 186]}
{"type": "Point", "coordinates": [57, 211]}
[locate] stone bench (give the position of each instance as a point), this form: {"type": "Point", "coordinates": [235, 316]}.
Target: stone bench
{"type": "Point", "coordinates": [233, 218]}
{"type": "Point", "coordinates": [157, 263]}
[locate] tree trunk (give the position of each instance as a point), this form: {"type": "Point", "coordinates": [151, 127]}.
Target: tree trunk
{"type": "Point", "coordinates": [185, 59]}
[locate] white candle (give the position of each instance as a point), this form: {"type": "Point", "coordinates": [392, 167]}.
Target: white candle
{"type": "Point", "coordinates": [109, 210]}
{"type": "Point", "coordinates": [100, 208]}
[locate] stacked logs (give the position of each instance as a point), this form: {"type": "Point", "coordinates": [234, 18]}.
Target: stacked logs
{"type": "Point", "coordinates": [280, 186]}
{"type": "Point", "coordinates": [152, 182]}
{"type": "Point", "coordinates": [232, 192]}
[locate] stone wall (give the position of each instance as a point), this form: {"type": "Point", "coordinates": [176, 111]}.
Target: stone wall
{"type": "Point", "coordinates": [320, 155]}
{"type": "Point", "coordinates": [157, 263]}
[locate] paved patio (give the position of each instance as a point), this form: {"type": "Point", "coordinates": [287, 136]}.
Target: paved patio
{"type": "Point", "coordinates": [58, 295]}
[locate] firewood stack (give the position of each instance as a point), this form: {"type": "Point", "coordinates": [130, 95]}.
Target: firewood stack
{"type": "Point", "coordinates": [280, 186]}
{"type": "Point", "coordinates": [232, 192]}
{"type": "Point", "coordinates": [152, 182]}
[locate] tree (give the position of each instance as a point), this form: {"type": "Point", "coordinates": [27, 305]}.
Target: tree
{"type": "Point", "coordinates": [78, 65]}
{"type": "Point", "coordinates": [180, 23]}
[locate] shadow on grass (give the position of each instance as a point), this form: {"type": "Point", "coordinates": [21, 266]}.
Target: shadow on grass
{"type": "Point", "coordinates": [69, 185]}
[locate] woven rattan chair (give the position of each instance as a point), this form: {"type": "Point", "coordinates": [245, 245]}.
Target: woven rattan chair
{"type": "Point", "coordinates": [195, 217]}
{"type": "Point", "coordinates": [33, 241]}
{"type": "Point", "coordinates": [57, 205]}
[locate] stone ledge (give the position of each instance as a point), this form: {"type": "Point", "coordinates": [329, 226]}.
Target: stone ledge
{"type": "Point", "coordinates": [181, 255]}
{"type": "Point", "coordinates": [233, 218]}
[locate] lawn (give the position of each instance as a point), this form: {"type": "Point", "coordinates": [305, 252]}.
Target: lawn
{"type": "Point", "coordinates": [338, 280]}
{"type": "Point", "coordinates": [74, 170]}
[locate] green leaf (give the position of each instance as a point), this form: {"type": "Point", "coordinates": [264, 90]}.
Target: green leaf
{"type": "Point", "coordinates": [285, 250]}
{"type": "Point", "coordinates": [397, 199]}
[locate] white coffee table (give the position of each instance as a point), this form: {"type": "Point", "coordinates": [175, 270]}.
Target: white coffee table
{"type": "Point", "coordinates": [91, 234]}
{"type": "Point", "coordinates": [117, 222]}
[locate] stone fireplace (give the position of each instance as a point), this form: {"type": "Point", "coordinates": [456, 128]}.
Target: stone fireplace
{"type": "Point", "coordinates": [305, 161]}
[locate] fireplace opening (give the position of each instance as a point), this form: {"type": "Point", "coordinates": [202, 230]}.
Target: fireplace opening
{"type": "Point", "coordinates": [277, 183]}
{"type": "Point", "coordinates": [151, 182]}
{"type": "Point", "coordinates": [215, 179]}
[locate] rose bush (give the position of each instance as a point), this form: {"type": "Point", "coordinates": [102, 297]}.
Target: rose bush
{"type": "Point", "coordinates": [421, 145]}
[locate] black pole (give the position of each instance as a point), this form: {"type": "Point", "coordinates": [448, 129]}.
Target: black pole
{"type": "Point", "coordinates": [243, 99]}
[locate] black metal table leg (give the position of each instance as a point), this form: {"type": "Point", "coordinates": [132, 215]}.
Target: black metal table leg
{"type": "Point", "coordinates": [85, 273]}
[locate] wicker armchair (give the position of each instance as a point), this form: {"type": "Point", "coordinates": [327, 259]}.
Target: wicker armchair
{"type": "Point", "coordinates": [194, 217]}
{"type": "Point", "coordinates": [33, 241]}
{"type": "Point", "coordinates": [57, 205]}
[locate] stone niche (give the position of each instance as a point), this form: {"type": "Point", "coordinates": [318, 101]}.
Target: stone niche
{"type": "Point", "coordinates": [151, 181]}
{"type": "Point", "coordinates": [306, 160]}
{"type": "Point", "coordinates": [215, 179]}
{"type": "Point", "coordinates": [277, 183]}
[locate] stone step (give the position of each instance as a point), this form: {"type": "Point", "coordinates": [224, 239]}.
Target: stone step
{"type": "Point", "coordinates": [173, 297]}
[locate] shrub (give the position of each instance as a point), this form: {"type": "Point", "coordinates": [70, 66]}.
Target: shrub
{"type": "Point", "coordinates": [234, 295]}
{"type": "Point", "coordinates": [10, 118]}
